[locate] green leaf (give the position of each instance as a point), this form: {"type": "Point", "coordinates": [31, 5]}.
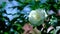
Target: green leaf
{"type": "Point", "coordinates": [6, 33]}
{"type": "Point", "coordinates": [3, 4]}
{"type": "Point", "coordinates": [18, 26]}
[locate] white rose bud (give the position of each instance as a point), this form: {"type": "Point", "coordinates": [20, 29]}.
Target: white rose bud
{"type": "Point", "coordinates": [36, 17]}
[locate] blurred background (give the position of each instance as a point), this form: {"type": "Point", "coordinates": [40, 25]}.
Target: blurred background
{"type": "Point", "coordinates": [14, 15]}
